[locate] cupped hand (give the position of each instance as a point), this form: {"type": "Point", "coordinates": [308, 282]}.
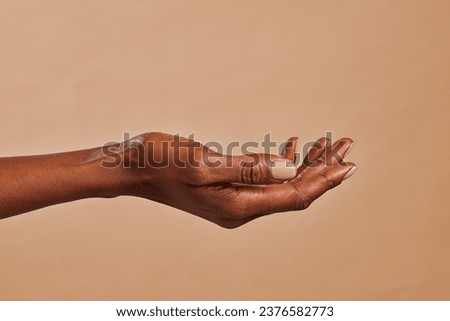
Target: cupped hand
{"type": "Point", "coordinates": [232, 190]}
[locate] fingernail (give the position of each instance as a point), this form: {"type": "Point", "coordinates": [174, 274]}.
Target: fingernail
{"type": "Point", "coordinates": [282, 169]}
{"type": "Point", "coordinates": [350, 172]}
{"type": "Point", "coordinates": [349, 150]}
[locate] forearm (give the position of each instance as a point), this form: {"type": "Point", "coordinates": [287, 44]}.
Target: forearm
{"type": "Point", "coordinates": [32, 182]}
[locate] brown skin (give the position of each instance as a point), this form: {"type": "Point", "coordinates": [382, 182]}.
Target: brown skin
{"type": "Point", "coordinates": [230, 193]}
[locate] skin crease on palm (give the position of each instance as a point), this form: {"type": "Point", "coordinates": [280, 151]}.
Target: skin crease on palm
{"type": "Point", "coordinates": [235, 191]}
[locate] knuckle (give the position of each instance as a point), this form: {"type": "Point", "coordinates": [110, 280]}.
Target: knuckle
{"type": "Point", "coordinates": [256, 173]}
{"type": "Point", "coordinates": [244, 174]}
{"type": "Point", "coordinates": [251, 173]}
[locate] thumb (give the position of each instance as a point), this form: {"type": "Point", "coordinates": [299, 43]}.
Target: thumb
{"type": "Point", "coordinates": [256, 169]}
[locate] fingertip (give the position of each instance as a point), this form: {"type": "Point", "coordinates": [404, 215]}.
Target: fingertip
{"type": "Point", "coordinates": [293, 143]}
{"type": "Point", "coordinates": [323, 142]}
{"type": "Point", "coordinates": [290, 148]}
{"type": "Point", "coordinates": [351, 171]}
{"type": "Point", "coordinates": [339, 150]}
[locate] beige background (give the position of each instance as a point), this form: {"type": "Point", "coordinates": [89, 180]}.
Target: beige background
{"type": "Point", "coordinates": [75, 74]}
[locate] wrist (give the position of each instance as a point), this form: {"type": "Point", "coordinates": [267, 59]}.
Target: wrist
{"type": "Point", "coordinates": [122, 168]}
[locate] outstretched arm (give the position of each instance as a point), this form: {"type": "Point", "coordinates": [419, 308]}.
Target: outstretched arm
{"type": "Point", "coordinates": [224, 189]}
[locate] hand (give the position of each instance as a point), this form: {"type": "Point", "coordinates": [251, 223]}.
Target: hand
{"type": "Point", "coordinates": [224, 189]}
